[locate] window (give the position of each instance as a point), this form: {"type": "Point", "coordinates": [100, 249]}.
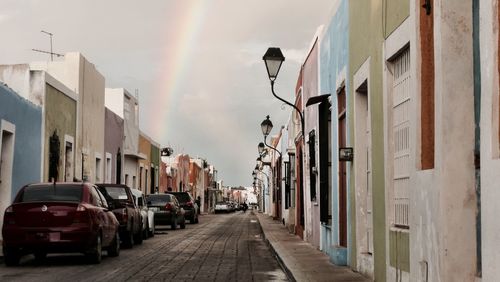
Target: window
{"type": "Point", "coordinates": [287, 185]}
{"type": "Point", "coordinates": [401, 146]}
{"type": "Point", "coordinates": [97, 169]}
{"type": "Point", "coordinates": [312, 163]}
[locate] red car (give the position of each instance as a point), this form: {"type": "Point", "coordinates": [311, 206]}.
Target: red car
{"type": "Point", "coordinates": [59, 218]}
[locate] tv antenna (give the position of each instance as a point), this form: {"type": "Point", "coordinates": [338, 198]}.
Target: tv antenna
{"type": "Point", "coordinates": [46, 52]}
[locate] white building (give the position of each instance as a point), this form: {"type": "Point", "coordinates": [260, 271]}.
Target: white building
{"type": "Point", "coordinates": [122, 103]}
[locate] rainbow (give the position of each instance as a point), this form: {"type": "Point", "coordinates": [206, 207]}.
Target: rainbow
{"type": "Point", "coordinates": [176, 62]}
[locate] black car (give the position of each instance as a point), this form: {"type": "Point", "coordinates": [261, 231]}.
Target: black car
{"type": "Point", "coordinates": [167, 209]}
{"type": "Point", "coordinates": [121, 202]}
{"type": "Point", "coordinates": [189, 205]}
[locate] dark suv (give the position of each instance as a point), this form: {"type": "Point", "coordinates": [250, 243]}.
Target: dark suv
{"type": "Point", "coordinates": [121, 202]}
{"type": "Point", "coordinates": [188, 203]}
{"type": "Point", "coordinates": [167, 210]}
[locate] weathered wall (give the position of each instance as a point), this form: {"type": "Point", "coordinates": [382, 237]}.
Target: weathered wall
{"type": "Point", "coordinates": [81, 76]}
{"type": "Point", "coordinates": [60, 117]}
{"type": "Point", "coordinates": [365, 42]}
{"type": "Point", "coordinates": [490, 143]}
{"type": "Point", "coordinates": [145, 164]}
{"type": "Point", "coordinates": [26, 118]}
{"type": "Point", "coordinates": [333, 68]}
{"type": "Point", "coordinates": [310, 89]}
{"type": "Point", "coordinates": [113, 142]}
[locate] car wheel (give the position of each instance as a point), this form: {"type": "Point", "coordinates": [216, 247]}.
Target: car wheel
{"type": "Point", "coordinates": [128, 241]}
{"type": "Point", "coordinates": [145, 232]}
{"type": "Point", "coordinates": [138, 237]}
{"type": "Point", "coordinates": [11, 256]}
{"type": "Point", "coordinates": [114, 248]}
{"type": "Point", "coordinates": [174, 224]}
{"type": "Point", "coordinates": [95, 255]}
{"type": "Point", "coordinates": [40, 256]}
{"type": "Point", "coordinates": [152, 231]}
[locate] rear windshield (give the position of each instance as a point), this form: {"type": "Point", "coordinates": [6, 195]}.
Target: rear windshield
{"type": "Point", "coordinates": [158, 199]}
{"type": "Point", "coordinates": [182, 197]}
{"type": "Point", "coordinates": [51, 193]}
{"type": "Point", "coordinates": [115, 193]}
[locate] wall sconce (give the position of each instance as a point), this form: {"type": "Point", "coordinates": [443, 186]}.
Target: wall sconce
{"type": "Point", "coordinates": [346, 154]}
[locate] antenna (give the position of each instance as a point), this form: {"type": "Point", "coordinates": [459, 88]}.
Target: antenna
{"type": "Point", "coordinates": [51, 53]}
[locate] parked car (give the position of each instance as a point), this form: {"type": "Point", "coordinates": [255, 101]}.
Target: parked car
{"type": "Point", "coordinates": [59, 218]}
{"type": "Point", "coordinates": [221, 207]}
{"type": "Point", "coordinates": [189, 205]}
{"type": "Point", "coordinates": [167, 209]}
{"type": "Point", "coordinates": [148, 224]}
{"type": "Point", "coordinates": [122, 204]}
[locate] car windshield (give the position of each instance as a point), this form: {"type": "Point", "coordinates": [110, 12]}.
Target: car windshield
{"type": "Point", "coordinates": [48, 193]}
{"type": "Point", "coordinates": [115, 194]}
{"type": "Point", "coordinates": [158, 199]}
{"type": "Point", "coordinates": [182, 197]}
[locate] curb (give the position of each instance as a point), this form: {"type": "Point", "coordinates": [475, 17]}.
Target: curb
{"type": "Point", "coordinates": [283, 266]}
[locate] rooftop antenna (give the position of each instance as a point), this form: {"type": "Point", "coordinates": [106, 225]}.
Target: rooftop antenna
{"type": "Point", "coordinates": [45, 52]}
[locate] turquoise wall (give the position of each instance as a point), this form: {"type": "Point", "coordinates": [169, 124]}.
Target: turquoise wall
{"type": "Point", "coordinates": [334, 58]}
{"type": "Point", "coordinates": [27, 119]}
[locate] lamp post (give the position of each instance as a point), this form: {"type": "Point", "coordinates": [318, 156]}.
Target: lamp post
{"type": "Point", "coordinates": [273, 58]}
{"type": "Point", "coordinates": [266, 127]}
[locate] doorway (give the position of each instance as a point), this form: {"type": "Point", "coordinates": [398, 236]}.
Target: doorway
{"type": "Point", "coordinates": [6, 167]}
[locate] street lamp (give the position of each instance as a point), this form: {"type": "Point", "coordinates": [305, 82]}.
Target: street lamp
{"type": "Point", "coordinates": [266, 127]}
{"type": "Point", "coordinates": [273, 58]}
{"type": "Point", "coordinates": [260, 147]}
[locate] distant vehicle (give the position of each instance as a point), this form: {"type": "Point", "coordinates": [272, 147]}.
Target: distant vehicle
{"type": "Point", "coordinates": [189, 205]}
{"type": "Point", "coordinates": [221, 207]}
{"type": "Point", "coordinates": [167, 209]}
{"type": "Point", "coordinates": [59, 218]}
{"type": "Point", "coordinates": [121, 201]}
{"type": "Point", "coordinates": [148, 216]}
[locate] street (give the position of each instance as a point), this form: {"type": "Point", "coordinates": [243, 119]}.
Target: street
{"type": "Point", "coordinates": [223, 247]}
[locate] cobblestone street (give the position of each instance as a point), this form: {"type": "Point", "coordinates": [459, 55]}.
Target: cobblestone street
{"type": "Point", "coordinates": [223, 247]}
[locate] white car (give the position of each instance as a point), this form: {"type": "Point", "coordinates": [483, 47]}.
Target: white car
{"type": "Point", "coordinates": [222, 207]}
{"type": "Point", "coordinates": [148, 216]}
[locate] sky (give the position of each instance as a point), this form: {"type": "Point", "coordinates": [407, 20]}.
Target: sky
{"type": "Point", "coordinates": [196, 64]}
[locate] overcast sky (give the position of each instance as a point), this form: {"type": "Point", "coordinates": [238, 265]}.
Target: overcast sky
{"type": "Point", "coordinates": [203, 87]}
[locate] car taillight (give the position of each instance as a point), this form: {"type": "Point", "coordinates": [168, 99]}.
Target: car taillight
{"type": "Point", "coordinates": [9, 216]}
{"type": "Point", "coordinates": [168, 206]}
{"type": "Point", "coordinates": [189, 204]}
{"type": "Point", "coordinates": [81, 215]}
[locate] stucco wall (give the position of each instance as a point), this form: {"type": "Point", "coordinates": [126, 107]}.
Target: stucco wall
{"type": "Point", "coordinates": [145, 149]}
{"type": "Point", "coordinates": [311, 88]}
{"type": "Point", "coordinates": [490, 162]}
{"type": "Point", "coordinates": [333, 67]}
{"type": "Point", "coordinates": [81, 76]}
{"type": "Point", "coordinates": [26, 117]}
{"type": "Point", "coordinates": [113, 140]}
{"type": "Point", "coordinates": [60, 117]}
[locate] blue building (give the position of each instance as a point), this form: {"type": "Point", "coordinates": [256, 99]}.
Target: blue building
{"type": "Point", "coordinates": [20, 145]}
{"type": "Point", "coordinates": [334, 80]}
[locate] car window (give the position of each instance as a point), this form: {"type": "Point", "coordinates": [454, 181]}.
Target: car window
{"type": "Point", "coordinates": [182, 197]}
{"type": "Point", "coordinates": [95, 199]}
{"type": "Point", "coordinates": [45, 193]}
{"type": "Point", "coordinates": [103, 201]}
{"type": "Point", "coordinates": [116, 193]}
{"type": "Point", "coordinates": [159, 199]}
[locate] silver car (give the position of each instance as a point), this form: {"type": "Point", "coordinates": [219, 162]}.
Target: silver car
{"type": "Point", "coordinates": [148, 216]}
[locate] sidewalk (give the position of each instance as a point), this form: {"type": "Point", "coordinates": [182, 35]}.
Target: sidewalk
{"type": "Point", "coordinates": [301, 261]}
